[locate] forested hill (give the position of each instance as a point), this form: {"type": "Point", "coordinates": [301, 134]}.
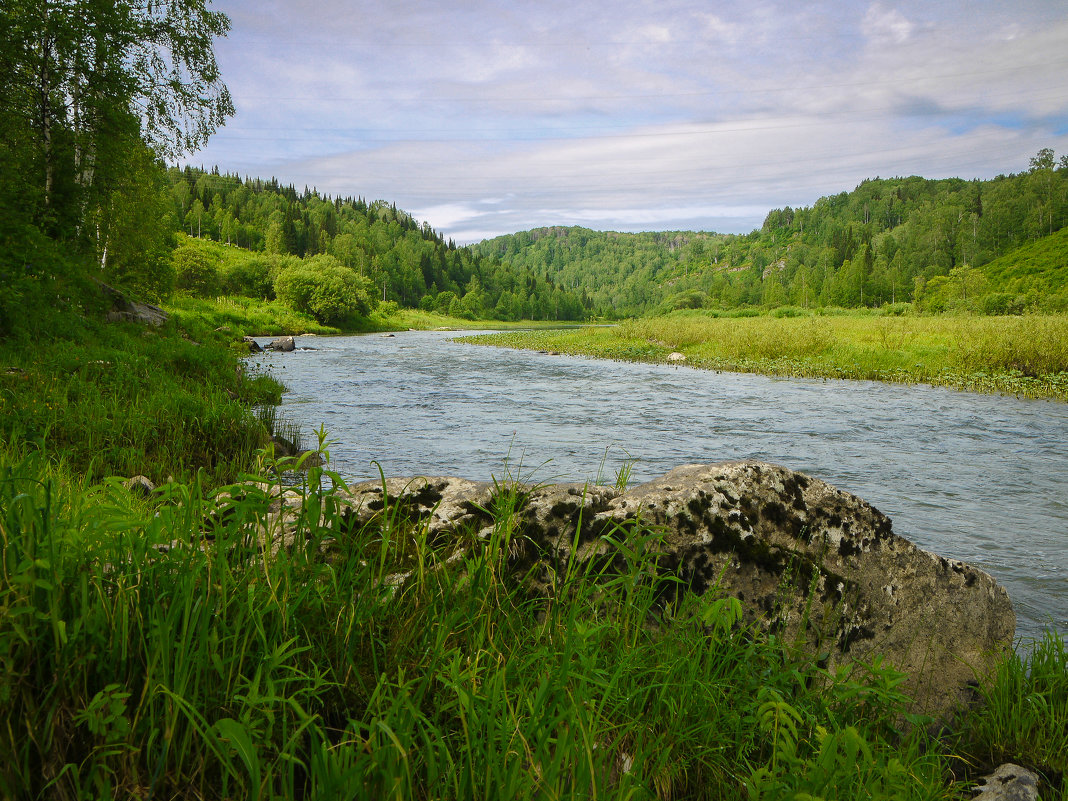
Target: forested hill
{"type": "Point", "coordinates": [304, 237]}
{"type": "Point", "coordinates": [889, 240]}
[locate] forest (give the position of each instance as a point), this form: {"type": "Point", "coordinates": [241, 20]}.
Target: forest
{"type": "Point", "coordinates": [950, 245]}
{"type": "Point", "coordinates": [336, 256]}
{"type": "Point", "coordinates": [95, 105]}
{"type": "Point", "coordinates": [944, 245]}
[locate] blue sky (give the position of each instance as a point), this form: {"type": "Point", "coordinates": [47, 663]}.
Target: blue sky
{"type": "Point", "coordinates": [484, 117]}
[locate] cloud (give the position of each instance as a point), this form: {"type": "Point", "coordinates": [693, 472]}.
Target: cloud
{"type": "Point", "coordinates": [487, 117]}
{"type": "Point", "coordinates": [886, 25]}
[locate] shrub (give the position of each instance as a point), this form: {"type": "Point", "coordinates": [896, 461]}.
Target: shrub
{"type": "Point", "coordinates": [249, 277]}
{"type": "Point", "coordinates": [443, 302]}
{"type": "Point", "coordinates": [324, 288]}
{"type": "Point", "coordinates": [195, 270]}
{"type": "Point", "coordinates": [1000, 303]}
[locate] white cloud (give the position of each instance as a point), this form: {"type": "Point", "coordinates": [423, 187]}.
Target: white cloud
{"type": "Point", "coordinates": [487, 117]}
{"type": "Point", "coordinates": [886, 25]}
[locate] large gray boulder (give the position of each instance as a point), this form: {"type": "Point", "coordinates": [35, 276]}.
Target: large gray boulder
{"type": "Point", "coordinates": [820, 568]}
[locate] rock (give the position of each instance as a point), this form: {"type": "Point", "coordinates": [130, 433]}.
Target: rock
{"type": "Point", "coordinates": [253, 345]}
{"type": "Point", "coordinates": [283, 344]}
{"type": "Point", "coordinates": [1008, 783]}
{"type": "Point", "coordinates": [140, 486]}
{"type": "Point", "coordinates": [388, 336]}
{"type": "Point", "coordinates": [282, 446]}
{"type": "Point", "coordinates": [676, 357]}
{"type": "Point", "coordinates": [818, 567]}
{"type": "Point", "coordinates": [125, 310]}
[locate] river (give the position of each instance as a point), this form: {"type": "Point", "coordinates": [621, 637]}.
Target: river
{"type": "Point", "coordinates": [981, 478]}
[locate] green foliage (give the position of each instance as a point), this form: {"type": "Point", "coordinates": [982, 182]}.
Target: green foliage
{"type": "Point", "coordinates": [1024, 716]}
{"type": "Point", "coordinates": [888, 241]}
{"type": "Point", "coordinates": [242, 316]}
{"type": "Point", "coordinates": [323, 287]}
{"type": "Point", "coordinates": [374, 663]}
{"type": "Point", "coordinates": [119, 400]}
{"type": "Point", "coordinates": [93, 94]}
{"type": "Point", "coordinates": [195, 272]}
{"type": "Point", "coordinates": [405, 262]}
{"type": "Point", "coordinates": [1033, 277]}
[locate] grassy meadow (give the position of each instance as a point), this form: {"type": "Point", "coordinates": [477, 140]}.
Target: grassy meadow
{"type": "Point", "coordinates": [1020, 355]}
{"type": "Point", "coordinates": [126, 400]}
{"type": "Point", "coordinates": [252, 317]}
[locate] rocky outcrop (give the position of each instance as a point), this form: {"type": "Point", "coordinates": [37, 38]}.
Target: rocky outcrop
{"type": "Point", "coordinates": [818, 567]}
{"type": "Point", "coordinates": [253, 345]}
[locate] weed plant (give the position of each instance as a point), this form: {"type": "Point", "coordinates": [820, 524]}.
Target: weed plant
{"type": "Point", "coordinates": [159, 651]}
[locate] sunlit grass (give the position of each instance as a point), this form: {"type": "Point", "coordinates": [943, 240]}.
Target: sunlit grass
{"type": "Point", "coordinates": [1017, 355]}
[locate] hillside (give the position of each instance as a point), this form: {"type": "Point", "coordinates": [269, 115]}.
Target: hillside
{"type": "Point", "coordinates": [372, 251]}
{"type": "Point", "coordinates": [887, 241]}
{"type": "Point", "coordinates": [1039, 270]}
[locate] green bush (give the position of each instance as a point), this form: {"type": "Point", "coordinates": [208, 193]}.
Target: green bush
{"type": "Point", "coordinates": [1004, 303]}
{"type": "Point", "coordinates": [324, 288]}
{"type": "Point", "coordinates": [195, 270]}
{"type": "Point", "coordinates": [443, 302]}
{"type": "Point", "coordinates": [249, 277]}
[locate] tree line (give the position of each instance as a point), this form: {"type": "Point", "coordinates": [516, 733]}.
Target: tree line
{"type": "Point", "coordinates": [93, 96]}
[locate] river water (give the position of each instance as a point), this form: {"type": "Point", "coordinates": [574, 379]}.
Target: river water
{"type": "Point", "coordinates": [981, 478]}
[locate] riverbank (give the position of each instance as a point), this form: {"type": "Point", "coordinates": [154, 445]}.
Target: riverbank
{"type": "Point", "coordinates": [1025, 356]}
{"type": "Point", "coordinates": [149, 649]}
{"type": "Point", "coordinates": [248, 316]}
{"type": "Point", "coordinates": [123, 399]}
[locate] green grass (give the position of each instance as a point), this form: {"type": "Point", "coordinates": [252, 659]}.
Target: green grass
{"type": "Point", "coordinates": [1025, 355]}
{"type": "Point", "coordinates": [361, 662]}
{"type": "Point", "coordinates": [123, 399]}
{"type": "Point", "coordinates": [243, 316]}
{"type": "Point", "coordinates": [1038, 272]}
{"type": "Point", "coordinates": [250, 317]}
{"type": "Point", "coordinates": [213, 669]}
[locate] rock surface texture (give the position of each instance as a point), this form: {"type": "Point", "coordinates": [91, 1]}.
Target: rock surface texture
{"type": "Point", "coordinates": [125, 310]}
{"type": "Point", "coordinates": [1009, 783]}
{"type": "Point", "coordinates": [817, 566]}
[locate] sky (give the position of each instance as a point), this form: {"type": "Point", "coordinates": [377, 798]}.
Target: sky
{"type": "Point", "coordinates": [488, 117]}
